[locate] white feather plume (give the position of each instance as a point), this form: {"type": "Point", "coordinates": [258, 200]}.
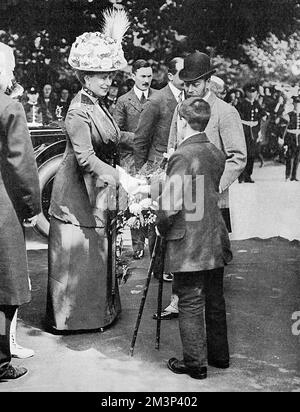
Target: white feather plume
{"type": "Point", "coordinates": [116, 23]}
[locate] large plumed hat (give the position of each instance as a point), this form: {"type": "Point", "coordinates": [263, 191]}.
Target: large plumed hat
{"type": "Point", "coordinates": [102, 51]}
{"type": "Point", "coordinates": [7, 58]}
{"type": "Point", "coordinates": [196, 66]}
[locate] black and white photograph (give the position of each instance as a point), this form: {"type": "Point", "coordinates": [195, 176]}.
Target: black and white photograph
{"type": "Point", "coordinates": [149, 198]}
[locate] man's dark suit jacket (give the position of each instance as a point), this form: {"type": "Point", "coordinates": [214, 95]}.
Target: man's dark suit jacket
{"type": "Point", "coordinates": [19, 199]}
{"type": "Point", "coordinates": [151, 136]}
{"type": "Point", "coordinates": [127, 115]}
{"type": "Point", "coordinates": [189, 216]}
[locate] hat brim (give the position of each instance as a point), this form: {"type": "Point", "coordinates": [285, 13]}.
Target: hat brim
{"type": "Point", "coordinates": [98, 70]}
{"type": "Point", "coordinates": [186, 77]}
{"type": "Point", "coordinates": [95, 70]}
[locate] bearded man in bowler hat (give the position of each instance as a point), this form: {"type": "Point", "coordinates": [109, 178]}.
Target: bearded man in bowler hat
{"type": "Point", "coordinates": [225, 131]}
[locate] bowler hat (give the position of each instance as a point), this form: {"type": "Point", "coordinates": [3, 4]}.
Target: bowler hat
{"type": "Point", "coordinates": [196, 66]}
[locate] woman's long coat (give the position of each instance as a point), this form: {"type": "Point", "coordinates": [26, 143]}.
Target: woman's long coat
{"type": "Point", "coordinates": [82, 292]}
{"type": "Point", "coordinates": [19, 199]}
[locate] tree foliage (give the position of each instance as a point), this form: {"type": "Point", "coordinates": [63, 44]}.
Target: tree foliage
{"type": "Point", "coordinates": [43, 30]}
{"type": "Point", "coordinates": [275, 58]}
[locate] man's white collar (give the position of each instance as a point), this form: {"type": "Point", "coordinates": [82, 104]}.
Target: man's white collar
{"type": "Point", "coordinates": [139, 92]}
{"type": "Point", "coordinates": [176, 92]}
{"type": "Point", "coordinates": [206, 97]}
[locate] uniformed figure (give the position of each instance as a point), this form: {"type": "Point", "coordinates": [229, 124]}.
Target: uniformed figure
{"type": "Point", "coordinates": [32, 109]}
{"type": "Point", "coordinates": [46, 102]}
{"type": "Point", "coordinates": [251, 114]}
{"type": "Point", "coordinates": [292, 141]}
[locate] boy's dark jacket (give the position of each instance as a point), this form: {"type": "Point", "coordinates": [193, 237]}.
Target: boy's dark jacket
{"type": "Point", "coordinates": [197, 239]}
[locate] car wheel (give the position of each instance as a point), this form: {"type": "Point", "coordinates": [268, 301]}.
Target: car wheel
{"type": "Point", "coordinates": [47, 172]}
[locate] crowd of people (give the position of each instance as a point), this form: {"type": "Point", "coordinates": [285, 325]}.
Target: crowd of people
{"type": "Point", "coordinates": [187, 124]}
{"type": "Point", "coordinates": [51, 103]}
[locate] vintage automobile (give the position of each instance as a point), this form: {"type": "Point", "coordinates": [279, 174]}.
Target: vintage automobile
{"type": "Point", "coordinates": [49, 144]}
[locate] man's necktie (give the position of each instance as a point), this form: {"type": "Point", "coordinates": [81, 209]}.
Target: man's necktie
{"type": "Point", "coordinates": [143, 98]}
{"type": "Point", "coordinates": [180, 98]}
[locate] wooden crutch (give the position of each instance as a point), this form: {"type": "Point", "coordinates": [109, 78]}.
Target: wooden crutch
{"type": "Point", "coordinates": [155, 253]}
{"type": "Point", "coordinates": [160, 291]}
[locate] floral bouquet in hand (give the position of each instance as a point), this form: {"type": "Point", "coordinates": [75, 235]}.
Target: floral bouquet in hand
{"type": "Point", "coordinates": [139, 212]}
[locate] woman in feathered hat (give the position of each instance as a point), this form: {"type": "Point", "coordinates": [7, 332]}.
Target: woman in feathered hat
{"type": "Point", "coordinates": [82, 289]}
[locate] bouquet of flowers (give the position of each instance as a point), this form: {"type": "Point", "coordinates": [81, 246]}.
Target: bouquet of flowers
{"type": "Point", "coordinates": [140, 212]}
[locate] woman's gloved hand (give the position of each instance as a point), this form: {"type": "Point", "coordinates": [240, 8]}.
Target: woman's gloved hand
{"type": "Point", "coordinates": [30, 222]}
{"type": "Point", "coordinates": [130, 184]}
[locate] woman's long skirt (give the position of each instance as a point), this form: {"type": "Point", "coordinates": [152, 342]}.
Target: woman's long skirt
{"type": "Point", "coordinates": [82, 290]}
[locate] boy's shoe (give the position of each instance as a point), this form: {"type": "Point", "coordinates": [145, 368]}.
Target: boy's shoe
{"type": "Point", "coordinates": [177, 366]}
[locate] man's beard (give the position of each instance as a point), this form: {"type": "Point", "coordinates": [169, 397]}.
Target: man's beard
{"type": "Point", "coordinates": [200, 95]}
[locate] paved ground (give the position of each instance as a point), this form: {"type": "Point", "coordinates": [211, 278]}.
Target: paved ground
{"type": "Point", "coordinates": [262, 288]}
{"type": "Point", "coordinates": [270, 207]}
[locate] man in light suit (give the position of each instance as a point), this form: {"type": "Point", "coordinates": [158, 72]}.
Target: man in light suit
{"type": "Point", "coordinates": [224, 130]}
{"type": "Point", "coordinates": [151, 135]}
{"type": "Point", "coordinates": [19, 200]}
{"type": "Point", "coordinates": [127, 114]}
